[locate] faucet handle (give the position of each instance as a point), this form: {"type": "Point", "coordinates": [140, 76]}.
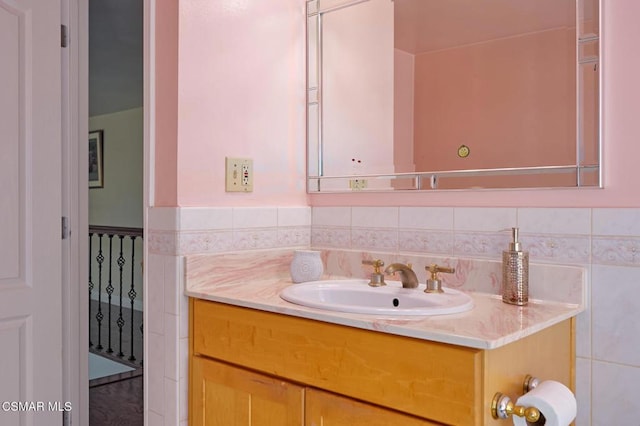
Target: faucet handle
{"type": "Point", "coordinates": [434, 285]}
{"type": "Point", "coordinates": [377, 264]}
{"type": "Point", "coordinates": [377, 277]}
{"type": "Point", "coordinates": [434, 269]}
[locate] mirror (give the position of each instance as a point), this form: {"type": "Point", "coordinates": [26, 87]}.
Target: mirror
{"type": "Point", "coordinates": [452, 94]}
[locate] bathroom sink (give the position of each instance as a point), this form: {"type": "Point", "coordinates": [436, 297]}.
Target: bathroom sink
{"type": "Point", "coordinates": [356, 296]}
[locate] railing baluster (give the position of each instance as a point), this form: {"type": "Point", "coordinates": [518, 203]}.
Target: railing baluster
{"type": "Point", "coordinates": [141, 337]}
{"type": "Point", "coordinates": [132, 292]}
{"type": "Point", "coordinates": [90, 283]}
{"type": "Point", "coordinates": [120, 321]}
{"type": "Point", "coordinates": [109, 289]}
{"type": "Point", "coordinates": [99, 315]}
{"type": "Point", "coordinates": [106, 313]}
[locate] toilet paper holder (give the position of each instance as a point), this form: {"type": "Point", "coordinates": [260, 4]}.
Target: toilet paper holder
{"type": "Point", "coordinates": [502, 407]}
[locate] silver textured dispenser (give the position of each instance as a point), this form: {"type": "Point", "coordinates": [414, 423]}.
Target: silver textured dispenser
{"type": "Point", "coordinates": [515, 273]}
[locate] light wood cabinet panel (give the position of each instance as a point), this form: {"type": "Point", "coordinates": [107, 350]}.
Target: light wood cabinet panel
{"type": "Point", "coordinates": [425, 379]}
{"type": "Point", "coordinates": [325, 409]}
{"type": "Point", "coordinates": [548, 355]}
{"type": "Point", "coordinates": [223, 395]}
{"type": "Point", "coordinates": [344, 368]}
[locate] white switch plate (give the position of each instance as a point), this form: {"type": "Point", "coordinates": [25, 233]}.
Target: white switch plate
{"type": "Point", "coordinates": [238, 174]}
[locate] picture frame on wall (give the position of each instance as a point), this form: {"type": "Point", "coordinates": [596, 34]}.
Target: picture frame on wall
{"type": "Point", "coordinates": [96, 160]}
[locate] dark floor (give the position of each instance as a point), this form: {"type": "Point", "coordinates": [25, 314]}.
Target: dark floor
{"type": "Point", "coordinates": [117, 400]}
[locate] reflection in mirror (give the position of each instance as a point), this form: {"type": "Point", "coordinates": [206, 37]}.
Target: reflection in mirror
{"type": "Point", "coordinates": [426, 94]}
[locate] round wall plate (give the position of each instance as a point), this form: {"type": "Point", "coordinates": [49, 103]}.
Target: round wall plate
{"type": "Point", "coordinates": [463, 151]}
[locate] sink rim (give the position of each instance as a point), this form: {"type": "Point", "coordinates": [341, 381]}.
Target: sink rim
{"type": "Point", "coordinates": [300, 294]}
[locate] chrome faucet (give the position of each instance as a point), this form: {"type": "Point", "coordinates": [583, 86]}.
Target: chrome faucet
{"type": "Point", "coordinates": [407, 276]}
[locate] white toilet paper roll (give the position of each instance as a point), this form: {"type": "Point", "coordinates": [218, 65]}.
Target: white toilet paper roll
{"type": "Point", "coordinates": [554, 400]}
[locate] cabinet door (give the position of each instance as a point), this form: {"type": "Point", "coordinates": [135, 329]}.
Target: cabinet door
{"type": "Point", "coordinates": [326, 409]}
{"type": "Point", "coordinates": [223, 395]}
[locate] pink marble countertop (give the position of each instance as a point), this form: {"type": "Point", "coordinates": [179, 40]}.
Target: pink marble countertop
{"type": "Point", "coordinates": [490, 324]}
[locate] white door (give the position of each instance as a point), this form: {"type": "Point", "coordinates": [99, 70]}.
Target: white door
{"type": "Point", "coordinates": [30, 211]}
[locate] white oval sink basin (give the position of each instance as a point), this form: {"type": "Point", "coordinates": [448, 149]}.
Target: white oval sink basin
{"type": "Point", "coordinates": [356, 296]}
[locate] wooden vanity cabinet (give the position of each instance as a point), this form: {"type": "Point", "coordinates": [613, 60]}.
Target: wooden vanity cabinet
{"type": "Point", "coordinates": [326, 409]}
{"type": "Point", "coordinates": [250, 367]}
{"type": "Point", "coordinates": [224, 395]}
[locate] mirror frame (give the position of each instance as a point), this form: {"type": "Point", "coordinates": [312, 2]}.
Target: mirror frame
{"type": "Point", "coordinates": [429, 180]}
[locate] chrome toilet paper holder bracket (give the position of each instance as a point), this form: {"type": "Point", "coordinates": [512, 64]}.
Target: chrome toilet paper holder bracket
{"type": "Point", "coordinates": [502, 407]}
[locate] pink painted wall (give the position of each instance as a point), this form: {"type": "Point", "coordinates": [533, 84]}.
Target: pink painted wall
{"type": "Point", "coordinates": [511, 101]}
{"type": "Point", "coordinates": [166, 106]}
{"type": "Point", "coordinates": [403, 109]}
{"type": "Point", "coordinates": [241, 93]}
{"type": "Point", "coordinates": [357, 90]}
{"type": "Point", "coordinates": [621, 131]}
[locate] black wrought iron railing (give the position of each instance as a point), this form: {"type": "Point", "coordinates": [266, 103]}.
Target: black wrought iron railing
{"type": "Point", "coordinates": [115, 290]}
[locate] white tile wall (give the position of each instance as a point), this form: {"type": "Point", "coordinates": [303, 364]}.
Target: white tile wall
{"type": "Point", "coordinates": [583, 331]}
{"type": "Point", "coordinates": [616, 222]}
{"type": "Point", "coordinates": [154, 418]}
{"type": "Point", "coordinates": [164, 219]}
{"type": "Point", "coordinates": [605, 241]}
{"type": "Point", "coordinates": [555, 221]}
{"type": "Point", "coordinates": [171, 402]}
{"type": "Point", "coordinates": [171, 350]}
{"type": "Point", "coordinates": [215, 230]}
{"type": "Point", "coordinates": [154, 370]}
{"type": "Point", "coordinates": [255, 217]}
{"type": "Point", "coordinates": [583, 391]}
{"type": "Point", "coordinates": [173, 233]}
{"type": "Point", "coordinates": [433, 218]}
{"type": "Point", "coordinates": [155, 294]}
{"type": "Point", "coordinates": [484, 219]}
{"type": "Point", "coordinates": [331, 216]}
{"type": "Point", "coordinates": [183, 406]}
{"type": "Point", "coordinates": [615, 312]}
{"type": "Point", "coordinates": [614, 394]}
{"type": "Point", "coordinates": [379, 217]}
{"type": "Point", "coordinates": [294, 216]}
{"type": "Point", "coordinates": [195, 219]}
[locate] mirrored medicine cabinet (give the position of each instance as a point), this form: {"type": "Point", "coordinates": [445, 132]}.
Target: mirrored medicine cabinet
{"type": "Point", "coordinates": [407, 95]}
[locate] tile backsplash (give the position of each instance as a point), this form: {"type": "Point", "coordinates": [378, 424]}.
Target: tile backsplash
{"type": "Point", "coordinates": [184, 231]}
{"type": "Point", "coordinates": [567, 236]}
{"type": "Point", "coordinates": [605, 242]}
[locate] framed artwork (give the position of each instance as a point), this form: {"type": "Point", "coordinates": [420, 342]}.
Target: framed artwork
{"type": "Point", "coordinates": [96, 163]}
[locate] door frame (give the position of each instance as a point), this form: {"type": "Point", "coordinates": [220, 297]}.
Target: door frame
{"type": "Point", "coordinates": [75, 129]}
{"type": "Point", "coordinates": [75, 202]}
{"type": "Point", "coordinates": [148, 173]}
